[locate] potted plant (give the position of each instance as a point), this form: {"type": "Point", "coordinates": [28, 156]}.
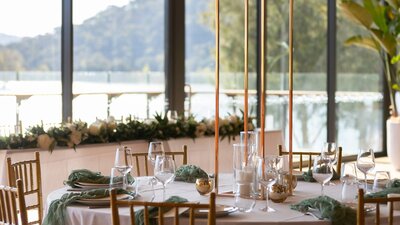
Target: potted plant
{"type": "Point", "coordinates": [381, 20]}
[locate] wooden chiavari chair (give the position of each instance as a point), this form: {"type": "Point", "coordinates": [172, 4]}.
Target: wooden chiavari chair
{"type": "Point", "coordinates": [174, 206]}
{"type": "Point", "coordinates": [309, 156]}
{"type": "Point", "coordinates": [361, 204]}
{"type": "Point", "coordinates": [30, 173]}
{"type": "Point", "coordinates": [138, 157]}
{"type": "Point", "coordinates": [10, 212]}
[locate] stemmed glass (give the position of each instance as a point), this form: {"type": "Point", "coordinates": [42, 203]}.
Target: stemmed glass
{"type": "Point", "coordinates": [267, 177]}
{"type": "Point", "coordinates": [164, 170]}
{"type": "Point", "coordinates": [329, 150]}
{"type": "Point", "coordinates": [155, 148]}
{"type": "Point", "coordinates": [123, 163]}
{"type": "Point", "coordinates": [322, 171]}
{"type": "Point", "coordinates": [365, 162]}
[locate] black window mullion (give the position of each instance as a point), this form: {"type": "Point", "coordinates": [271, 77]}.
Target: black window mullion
{"type": "Point", "coordinates": [331, 71]}
{"type": "Point", "coordinates": [66, 59]}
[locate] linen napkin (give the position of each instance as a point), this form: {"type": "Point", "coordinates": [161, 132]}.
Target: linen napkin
{"type": "Point", "coordinates": [307, 176]}
{"type": "Point", "coordinates": [153, 211]}
{"type": "Point", "coordinates": [87, 176]}
{"type": "Point", "coordinates": [392, 187]}
{"type": "Point", "coordinates": [330, 209]}
{"type": "Point", "coordinates": [189, 173]}
{"type": "Point", "coordinates": [57, 209]}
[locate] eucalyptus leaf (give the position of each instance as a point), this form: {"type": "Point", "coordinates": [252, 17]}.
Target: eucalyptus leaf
{"type": "Point", "coordinates": [387, 41]}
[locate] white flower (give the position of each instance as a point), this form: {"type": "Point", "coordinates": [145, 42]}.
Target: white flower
{"type": "Point", "coordinates": [233, 119]}
{"type": "Point", "coordinates": [223, 122]}
{"type": "Point", "coordinates": [46, 142]}
{"type": "Point", "coordinates": [200, 130]}
{"type": "Point", "coordinates": [96, 128]}
{"type": "Point", "coordinates": [250, 126]}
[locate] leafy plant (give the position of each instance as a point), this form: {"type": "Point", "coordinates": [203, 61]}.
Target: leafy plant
{"type": "Point", "coordinates": [381, 19]}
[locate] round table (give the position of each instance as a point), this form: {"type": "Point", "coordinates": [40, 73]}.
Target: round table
{"type": "Point", "coordinates": [83, 215]}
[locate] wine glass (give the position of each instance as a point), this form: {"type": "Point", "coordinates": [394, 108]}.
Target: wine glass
{"type": "Point", "coordinates": [164, 170]}
{"type": "Point", "coordinates": [155, 148]}
{"type": "Point", "coordinates": [329, 150]}
{"type": "Point", "coordinates": [123, 163]}
{"type": "Point", "coordinates": [365, 162]}
{"type": "Point", "coordinates": [268, 177]}
{"type": "Point", "coordinates": [322, 171]}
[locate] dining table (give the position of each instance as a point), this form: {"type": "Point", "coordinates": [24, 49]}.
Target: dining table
{"type": "Point", "coordinates": [81, 214]}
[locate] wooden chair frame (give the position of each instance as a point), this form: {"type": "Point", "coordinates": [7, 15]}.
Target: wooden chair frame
{"type": "Point", "coordinates": [310, 155]}
{"type": "Point", "coordinates": [131, 204]}
{"type": "Point", "coordinates": [8, 205]}
{"type": "Point", "coordinates": [143, 156]}
{"type": "Point", "coordinates": [362, 201]}
{"type": "Point", "coordinates": [24, 170]}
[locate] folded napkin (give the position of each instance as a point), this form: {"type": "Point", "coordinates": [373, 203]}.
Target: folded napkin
{"type": "Point", "coordinates": [329, 208]}
{"type": "Point", "coordinates": [153, 211]}
{"type": "Point", "coordinates": [57, 209]}
{"type": "Point", "coordinates": [189, 173]}
{"type": "Point", "coordinates": [87, 176]}
{"type": "Point", "coordinates": [307, 176]}
{"type": "Point", "coordinates": [392, 187]}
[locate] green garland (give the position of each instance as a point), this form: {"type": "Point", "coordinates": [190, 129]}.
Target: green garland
{"type": "Point", "coordinates": [105, 131]}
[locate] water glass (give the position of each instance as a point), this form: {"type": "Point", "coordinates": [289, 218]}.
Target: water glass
{"type": "Point", "coordinates": [268, 177]}
{"type": "Point", "coordinates": [252, 139]}
{"type": "Point", "coordinates": [155, 148]}
{"type": "Point", "coordinates": [115, 178]}
{"type": "Point", "coordinates": [164, 170]}
{"type": "Point", "coordinates": [381, 179]}
{"type": "Point", "coordinates": [329, 150]}
{"type": "Point", "coordinates": [322, 171]}
{"type": "Point", "coordinates": [365, 163]}
{"type": "Point", "coordinates": [123, 163]}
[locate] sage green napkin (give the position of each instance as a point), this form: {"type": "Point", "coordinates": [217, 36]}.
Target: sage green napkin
{"type": "Point", "coordinates": [392, 187]}
{"type": "Point", "coordinates": [153, 211]}
{"type": "Point", "coordinates": [87, 176]}
{"type": "Point", "coordinates": [330, 209]}
{"type": "Point", "coordinates": [57, 210]}
{"type": "Point", "coordinates": [307, 176]}
{"type": "Point", "coordinates": [189, 173]}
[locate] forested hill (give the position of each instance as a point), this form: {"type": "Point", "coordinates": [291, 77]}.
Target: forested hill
{"type": "Point", "coordinates": [124, 38]}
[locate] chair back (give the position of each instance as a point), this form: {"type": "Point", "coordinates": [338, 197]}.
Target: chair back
{"type": "Point", "coordinates": [362, 201]}
{"type": "Point", "coordinates": [142, 157]}
{"type": "Point", "coordinates": [30, 173]}
{"type": "Point", "coordinates": [173, 206]}
{"type": "Point", "coordinates": [10, 208]}
{"type": "Point", "coordinates": [309, 156]}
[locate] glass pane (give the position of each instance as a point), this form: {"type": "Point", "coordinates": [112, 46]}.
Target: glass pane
{"type": "Point", "coordinates": [309, 78]}
{"type": "Point", "coordinates": [118, 58]}
{"type": "Point", "coordinates": [30, 74]}
{"type": "Point", "coordinates": [200, 57]}
{"type": "Point", "coordinates": [359, 99]}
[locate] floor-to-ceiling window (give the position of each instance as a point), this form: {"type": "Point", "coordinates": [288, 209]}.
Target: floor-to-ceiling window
{"type": "Point", "coordinates": [118, 59]}
{"type": "Point", "coordinates": [30, 77]}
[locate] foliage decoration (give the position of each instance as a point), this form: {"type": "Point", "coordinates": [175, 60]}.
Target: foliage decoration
{"type": "Point", "coordinates": [72, 134]}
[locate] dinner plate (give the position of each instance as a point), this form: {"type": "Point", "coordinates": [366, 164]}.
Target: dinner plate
{"type": "Point", "coordinates": [101, 201]}
{"type": "Point", "coordinates": [220, 211]}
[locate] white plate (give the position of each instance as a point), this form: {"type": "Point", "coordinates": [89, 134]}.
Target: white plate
{"type": "Point", "coordinates": [220, 211]}
{"type": "Point", "coordinates": [101, 201]}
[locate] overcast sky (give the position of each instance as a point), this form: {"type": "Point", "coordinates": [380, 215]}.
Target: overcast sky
{"type": "Point", "coordinates": [28, 18]}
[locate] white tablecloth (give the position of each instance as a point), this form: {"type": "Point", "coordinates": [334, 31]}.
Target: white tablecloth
{"type": "Point", "coordinates": [82, 215]}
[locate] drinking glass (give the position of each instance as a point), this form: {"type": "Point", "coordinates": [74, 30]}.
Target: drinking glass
{"type": "Point", "coordinates": [381, 179]}
{"type": "Point", "coordinates": [164, 170]}
{"type": "Point", "coordinates": [322, 171]}
{"type": "Point", "coordinates": [329, 150]}
{"type": "Point", "coordinates": [349, 183]}
{"type": "Point", "coordinates": [115, 178]}
{"type": "Point", "coordinates": [268, 177]}
{"type": "Point", "coordinates": [155, 149]}
{"type": "Point", "coordinates": [123, 163]}
{"type": "Point", "coordinates": [252, 140]}
{"type": "Point", "coordinates": [365, 162]}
